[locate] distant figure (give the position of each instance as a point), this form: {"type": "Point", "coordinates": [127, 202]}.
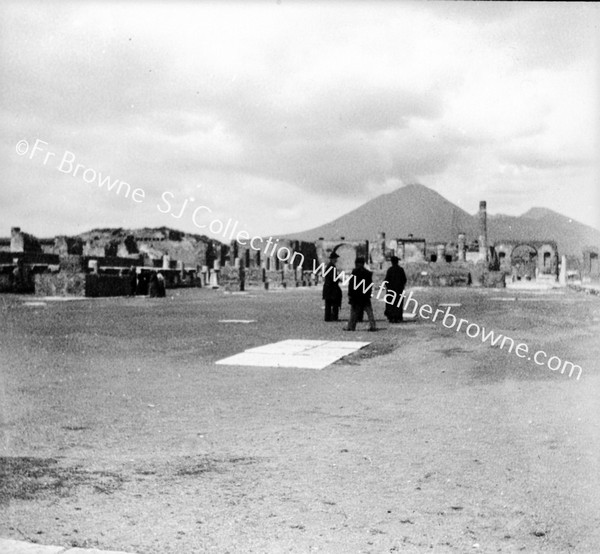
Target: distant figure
{"type": "Point", "coordinates": [132, 281]}
{"type": "Point", "coordinates": [332, 293]}
{"type": "Point", "coordinates": [359, 294]}
{"type": "Point", "coordinates": [153, 285]}
{"type": "Point", "coordinates": [395, 280]}
{"type": "Point", "coordinates": [142, 283]}
{"type": "Point", "coordinates": [161, 285]}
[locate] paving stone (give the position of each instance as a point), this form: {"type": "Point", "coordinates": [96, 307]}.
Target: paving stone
{"type": "Point", "coordinates": [306, 354]}
{"type": "Point", "coordinates": [92, 551]}
{"type": "Point", "coordinates": [9, 546]}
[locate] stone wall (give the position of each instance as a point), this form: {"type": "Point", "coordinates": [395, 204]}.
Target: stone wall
{"type": "Point", "coordinates": [107, 285]}
{"type": "Point", "coordinates": [6, 281]}
{"type": "Point", "coordinates": [81, 284]}
{"type": "Point", "coordinates": [60, 284]}
{"type": "Point", "coordinates": [230, 278]}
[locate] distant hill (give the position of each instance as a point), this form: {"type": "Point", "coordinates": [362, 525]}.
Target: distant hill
{"type": "Point", "coordinates": [412, 209]}
{"type": "Point", "coordinates": [426, 214]}
{"type": "Point", "coordinates": [541, 223]}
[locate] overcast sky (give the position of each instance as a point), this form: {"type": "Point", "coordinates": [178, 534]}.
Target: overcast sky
{"type": "Point", "coordinates": [285, 115]}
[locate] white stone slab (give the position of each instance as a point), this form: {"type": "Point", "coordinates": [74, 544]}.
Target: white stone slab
{"type": "Point", "coordinates": [63, 298]}
{"type": "Point", "coordinates": [305, 342]}
{"type": "Point", "coordinates": [450, 304]}
{"type": "Point", "coordinates": [9, 546]}
{"type": "Point", "coordinates": [345, 345]}
{"type": "Point", "coordinates": [258, 359]}
{"type": "Point", "coordinates": [503, 299]}
{"type": "Point", "coordinates": [309, 354]}
{"type": "Point", "coordinates": [91, 551]}
{"type": "Point", "coordinates": [278, 349]}
{"type": "Point", "coordinates": [34, 304]}
{"type": "Point", "coordinates": [409, 317]}
{"type": "Point", "coordinates": [237, 320]}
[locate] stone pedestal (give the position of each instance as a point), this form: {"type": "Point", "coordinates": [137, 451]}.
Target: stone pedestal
{"type": "Point", "coordinates": [562, 276]}
{"type": "Point", "coordinates": [462, 247]}
{"type": "Point", "coordinates": [441, 253]}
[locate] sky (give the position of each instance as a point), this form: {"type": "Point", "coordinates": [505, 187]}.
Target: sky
{"type": "Point", "coordinates": [283, 115]}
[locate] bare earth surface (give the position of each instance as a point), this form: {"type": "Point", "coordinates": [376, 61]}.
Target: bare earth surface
{"type": "Point", "coordinates": [119, 432]}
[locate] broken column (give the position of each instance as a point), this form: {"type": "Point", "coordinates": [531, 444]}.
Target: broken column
{"type": "Point", "coordinates": [462, 247]}
{"type": "Point", "coordinates": [562, 277]}
{"type": "Point", "coordinates": [441, 253]}
{"type": "Point", "coordinates": [17, 241]}
{"type": "Point", "coordinates": [483, 239]}
{"type": "Point", "coordinates": [214, 275]}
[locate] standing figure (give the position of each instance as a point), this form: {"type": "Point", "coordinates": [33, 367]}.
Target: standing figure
{"type": "Point", "coordinates": [153, 285]}
{"type": "Point", "coordinates": [395, 280]}
{"type": "Point", "coordinates": [132, 280]}
{"type": "Point", "coordinates": [162, 292]}
{"type": "Point", "coordinates": [332, 293]}
{"type": "Point", "coordinates": [359, 295]}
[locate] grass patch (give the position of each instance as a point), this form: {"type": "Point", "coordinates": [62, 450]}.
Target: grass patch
{"type": "Point", "coordinates": [28, 478]}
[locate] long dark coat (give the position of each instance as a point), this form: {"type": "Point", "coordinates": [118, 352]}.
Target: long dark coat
{"type": "Point", "coordinates": [331, 288]}
{"type": "Point", "coordinates": [396, 281]}
{"type": "Point", "coordinates": [362, 280]}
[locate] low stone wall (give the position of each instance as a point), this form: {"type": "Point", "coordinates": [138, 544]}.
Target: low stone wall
{"type": "Point", "coordinates": [107, 285]}
{"type": "Point", "coordinates": [419, 274]}
{"type": "Point", "coordinates": [229, 278]}
{"type": "Point", "coordinates": [6, 282]}
{"type": "Point", "coordinates": [253, 277]}
{"type": "Point", "coordinates": [425, 274]}
{"type": "Point", "coordinates": [60, 284]}
{"type": "Point", "coordinates": [81, 284]}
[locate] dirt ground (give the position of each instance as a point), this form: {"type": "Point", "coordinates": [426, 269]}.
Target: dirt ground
{"type": "Point", "coordinates": [119, 432]}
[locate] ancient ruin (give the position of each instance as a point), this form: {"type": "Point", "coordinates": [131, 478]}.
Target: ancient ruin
{"type": "Point", "coordinates": [101, 262]}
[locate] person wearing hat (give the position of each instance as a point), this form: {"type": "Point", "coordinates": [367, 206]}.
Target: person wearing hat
{"type": "Point", "coordinates": [332, 293]}
{"type": "Point", "coordinates": [395, 281]}
{"type": "Point", "coordinates": [359, 295]}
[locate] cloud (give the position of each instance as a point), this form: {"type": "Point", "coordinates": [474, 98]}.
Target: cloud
{"type": "Point", "coordinates": [283, 109]}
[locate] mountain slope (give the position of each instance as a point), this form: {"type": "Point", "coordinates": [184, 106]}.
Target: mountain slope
{"type": "Point", "coordinates": [426, 214]}
{"type": "Point", "coordinates": [570, 235]}
{"type": "Point", "coordinates": [412, 209]}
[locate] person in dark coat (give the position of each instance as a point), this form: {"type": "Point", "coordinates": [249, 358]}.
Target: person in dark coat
{"type": "Point", "coordinates": [359, 295]}
{"type": "Point", "coordinates": [332, 293]}
{"type": "Point", "coordinates": [395, 280]}
{"type": "Point", "coordinates": [153, 285]}
{"type": "Point", "coordinates": [132, 280]}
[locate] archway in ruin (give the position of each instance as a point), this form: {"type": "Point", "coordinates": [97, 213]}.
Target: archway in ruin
{"type": "Point", "coordinates": [524, 261]}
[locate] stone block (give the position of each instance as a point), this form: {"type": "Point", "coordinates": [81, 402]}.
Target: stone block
{"type": "Point", "coordinates": [9, 546]}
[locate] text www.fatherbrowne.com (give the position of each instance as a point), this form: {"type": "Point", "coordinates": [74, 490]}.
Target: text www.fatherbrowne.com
{"type": "Point", "coordinates": [449, 321]}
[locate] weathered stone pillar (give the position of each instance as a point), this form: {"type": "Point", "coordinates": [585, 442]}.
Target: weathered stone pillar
{"type": "Point", "coordinates": [562, 276]}
{"type": "Point", "coordinates": [483, 238]}
{"type": "Point", "coordinates": [441, 253]}
{"type": "Point", "coordinates": [166, 261]}
{"type": "Point", "coordinates": [462, 247]}
{"type": "Point", "coordinates": [214, 275]}
{"type": "Point", "coordinates": [17, 241]}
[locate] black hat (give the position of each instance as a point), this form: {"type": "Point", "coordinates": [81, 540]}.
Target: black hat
{"type": "Point", "coordinates": [394, 259]}
{"type": "Point", "coordinates": [359, 260]}
{"type": "Point", "coordinates": [333, 256]}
